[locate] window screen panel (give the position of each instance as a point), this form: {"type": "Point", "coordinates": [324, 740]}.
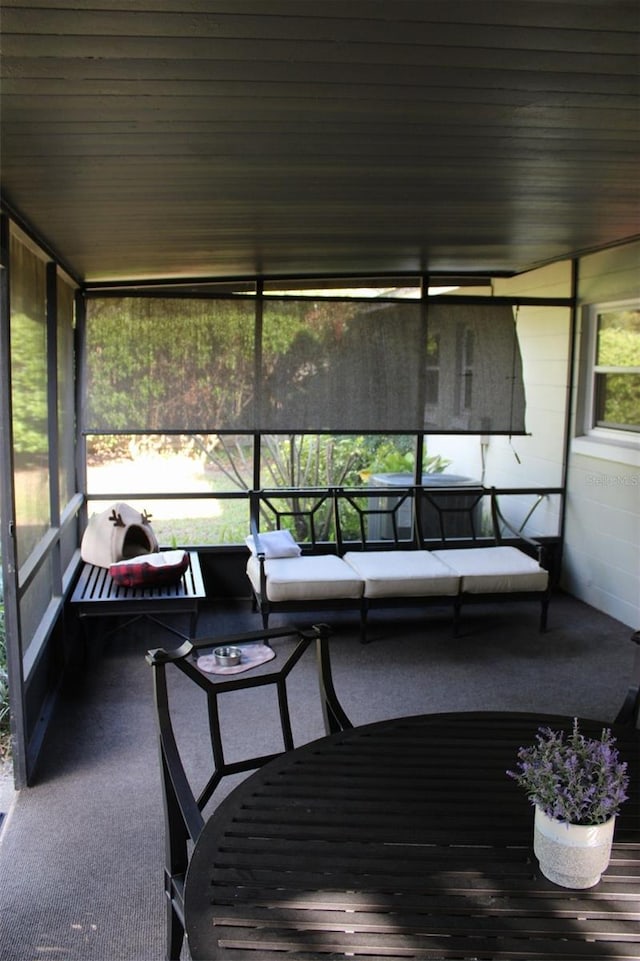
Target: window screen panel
{"type": "Point", "coordinates": [478, 367]}
{"type": "Point", "coordinates": [29, 396]}
{"type": "Point", "coordinates": [169, 364]}
{"type": "Point", "coordinates": [385, 367]}
{"type": "Point", "coordinates": [302, 366]}
{"type": "Point", "coordinates": [66, 393]}
{"type": "Point", "coordinates": [341, 367]}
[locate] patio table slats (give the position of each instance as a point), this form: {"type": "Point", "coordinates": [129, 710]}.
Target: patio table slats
{"type": "Point", "coordinates": [319, 863]}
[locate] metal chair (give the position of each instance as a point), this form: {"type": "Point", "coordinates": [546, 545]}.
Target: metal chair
{"type": "Point", "coordinates": [629, 713]}
{"type": "Point", "coordinates": [184, 803]}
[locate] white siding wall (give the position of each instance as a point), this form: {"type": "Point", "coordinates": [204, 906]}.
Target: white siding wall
{"type": "Point", "coordinates": [601, 557]}
{"type": "Point", "coordinates": [602, 543]}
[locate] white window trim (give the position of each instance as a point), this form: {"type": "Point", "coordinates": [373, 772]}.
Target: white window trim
{"type": "Point", "coordinates": [602, 449]}
{"type": "Point", "coordinates": [604, 443]}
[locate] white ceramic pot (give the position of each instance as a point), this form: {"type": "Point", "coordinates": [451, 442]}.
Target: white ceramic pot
{"type": "Point", "coordinates": [572, 855]}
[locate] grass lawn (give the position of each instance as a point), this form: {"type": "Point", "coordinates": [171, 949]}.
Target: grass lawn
{"type": "Point", "coordinates": [203, 521]}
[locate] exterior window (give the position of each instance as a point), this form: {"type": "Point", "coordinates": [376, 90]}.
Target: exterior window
{"type": "Point", "coordinates": [615, 382]}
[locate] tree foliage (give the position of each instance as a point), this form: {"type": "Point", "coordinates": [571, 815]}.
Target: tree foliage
{"type": "Point", "coordinates": [159, 364]}
{"type": "Point", "coordinates": [29, 387]}
{"type": "Point", "coordinates": [618, 391]}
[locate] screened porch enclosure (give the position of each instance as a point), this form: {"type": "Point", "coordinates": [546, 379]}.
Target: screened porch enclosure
{"type": "Point", "coordinates": [308, 390]}
{"type": "Point", "coordinates": [184, 401]}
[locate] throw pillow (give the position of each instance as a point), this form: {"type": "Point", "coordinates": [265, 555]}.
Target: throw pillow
{"type": "Point", "coordinates": [275, 544]}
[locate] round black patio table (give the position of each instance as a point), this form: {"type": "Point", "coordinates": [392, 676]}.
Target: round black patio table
{"type": "Point", "coordinates": [404, 839]}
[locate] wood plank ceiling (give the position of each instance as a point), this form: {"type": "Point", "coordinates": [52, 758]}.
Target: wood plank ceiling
{"type": "Point", "coordinates": [216, 138]}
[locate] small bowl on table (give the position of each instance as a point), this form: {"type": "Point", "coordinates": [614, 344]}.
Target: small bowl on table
{"type": "Point", "coordinates": [227, 656]}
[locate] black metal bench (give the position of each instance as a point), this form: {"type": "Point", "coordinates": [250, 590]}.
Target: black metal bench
{"type": "Point", "coordinates": [97, 595]}
{"type": "Point", "coordinates": [393, 547]}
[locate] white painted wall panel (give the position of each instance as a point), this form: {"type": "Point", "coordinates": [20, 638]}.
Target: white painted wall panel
{"type": "Point", "coordinates": [602, 536]}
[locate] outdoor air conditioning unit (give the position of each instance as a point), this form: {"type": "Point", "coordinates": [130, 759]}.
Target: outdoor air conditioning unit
{"type": "Point", "coordinates": [460, 514]}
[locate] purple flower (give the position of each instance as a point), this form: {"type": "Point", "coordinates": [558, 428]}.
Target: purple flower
{"type": "Point", "coordinates": [573, 778]}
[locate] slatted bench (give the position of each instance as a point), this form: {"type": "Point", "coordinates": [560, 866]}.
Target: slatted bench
{"type": "Point", "coordinates": [97, 595]}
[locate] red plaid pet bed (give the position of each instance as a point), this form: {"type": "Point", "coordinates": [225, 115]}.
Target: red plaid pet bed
{"type": "Point", "coordinates": [166, 567]}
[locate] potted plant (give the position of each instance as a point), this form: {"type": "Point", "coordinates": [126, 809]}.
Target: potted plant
{"type": "Point", "coordinates": [577, 785]}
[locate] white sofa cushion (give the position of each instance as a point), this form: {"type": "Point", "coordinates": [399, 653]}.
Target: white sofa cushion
{"type": "Point", "coordinates": [402, 573]}
{"type": "Point", "coordinates": [307, 578]}
{"type": "Point", "coordinates": [494, 570]}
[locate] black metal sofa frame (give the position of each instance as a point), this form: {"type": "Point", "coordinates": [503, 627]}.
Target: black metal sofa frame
{"type": "Point", "coordinates": [350, 524]}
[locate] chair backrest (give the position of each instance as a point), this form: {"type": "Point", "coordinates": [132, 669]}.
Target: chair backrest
{"type": "Point", "coordinates": [450, 513]}
{"type": "Point", "coordinates": [374, 518]}
{"type": "Point", "coordinates": [186, 790]}
{"type": "Point", "coordinates": [629, 713]}
{"type": "Point", "coordinates": [307, 513]}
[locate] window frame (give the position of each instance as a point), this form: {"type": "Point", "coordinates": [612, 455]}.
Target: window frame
{"type": "Point", "coordinates": [607, 442]}
{"type": "Point", "coordinates": [590, 421]}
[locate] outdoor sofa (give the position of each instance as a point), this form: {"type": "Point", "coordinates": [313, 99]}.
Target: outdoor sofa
{"type": "Point", "coordinates": [389, 560]}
